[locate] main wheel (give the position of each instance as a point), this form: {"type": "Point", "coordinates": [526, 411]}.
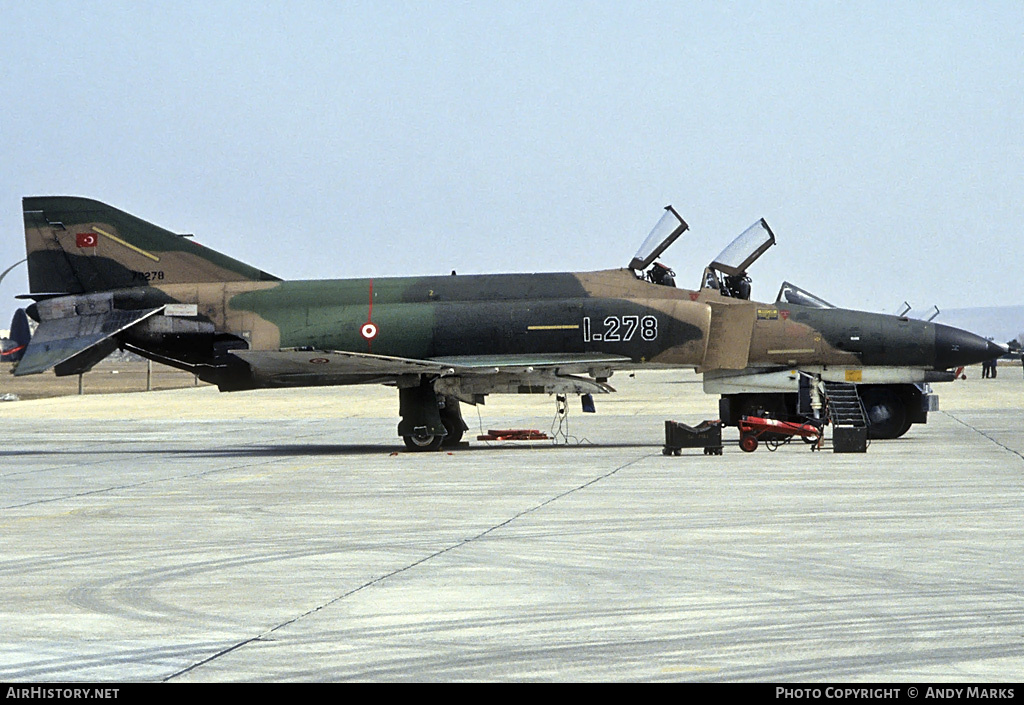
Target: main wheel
{"type": "Point", "coordinates": [455, 429]}
{"type": "Point", "coordinates": [748, 443]}
{"type": "Point", "coordinates": [451, 419]}
{"type": "Point", "coordinates": [423, 442]}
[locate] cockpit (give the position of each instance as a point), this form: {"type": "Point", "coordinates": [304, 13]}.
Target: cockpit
{"type": "Point", "coordinates": [792, 294]}
{"type": "Point", "coordinates": [726, 274]}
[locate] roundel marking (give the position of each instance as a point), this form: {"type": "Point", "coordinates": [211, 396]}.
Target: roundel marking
{"type": "Point", "coordinates": [368, 331]}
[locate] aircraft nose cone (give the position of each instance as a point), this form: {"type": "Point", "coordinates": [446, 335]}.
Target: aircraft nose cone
{"type": "Point", "coordinates": [955, 348]}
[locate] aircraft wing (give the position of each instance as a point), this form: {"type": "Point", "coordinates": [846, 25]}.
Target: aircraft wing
{"type": "Point", "coordinates": [288, 367]}
{"type": "Point", "coordinates": [554, 362]}
{"type": "Point", "coordinates": [309, 367]}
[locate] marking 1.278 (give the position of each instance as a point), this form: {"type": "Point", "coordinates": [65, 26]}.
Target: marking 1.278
{"type": "Point", "coordinates": [620, 328]}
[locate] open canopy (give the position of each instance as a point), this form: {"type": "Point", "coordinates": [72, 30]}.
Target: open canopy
{"type": "Point", "coordinates": [670, 227]}
{"type": "Point", "coordinates": [745, 249]}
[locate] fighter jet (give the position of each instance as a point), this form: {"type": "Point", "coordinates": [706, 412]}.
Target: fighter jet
{"type": "Point", "coordinates": [103, 279]}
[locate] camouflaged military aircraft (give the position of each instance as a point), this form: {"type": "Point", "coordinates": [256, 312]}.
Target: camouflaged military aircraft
{"type": "Point", "coordinates": [102, 279]}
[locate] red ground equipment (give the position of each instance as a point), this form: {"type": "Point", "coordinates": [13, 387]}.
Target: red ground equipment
{"type": "Point", "coordinates": [513, 434]}
{"type": "Point", "coordinates": [779, 432]}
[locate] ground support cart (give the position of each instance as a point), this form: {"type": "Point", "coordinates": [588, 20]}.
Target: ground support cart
{"type": "Point", "coordinates": [778, 433]}
{"type": "Point", "coordinates": [708, 435]}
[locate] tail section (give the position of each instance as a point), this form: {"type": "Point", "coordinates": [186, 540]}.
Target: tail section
{"type": "Point", "coordinates": [78, 246]}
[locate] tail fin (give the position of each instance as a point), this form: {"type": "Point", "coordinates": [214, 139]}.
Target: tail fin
{"type": "Point", "coordinates": [77, 246]}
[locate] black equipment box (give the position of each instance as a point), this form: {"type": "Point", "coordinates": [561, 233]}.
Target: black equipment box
{"type": "Point", "coordinates": [850, 439]}
{"type": "Point", "coordinates": [708, 435]}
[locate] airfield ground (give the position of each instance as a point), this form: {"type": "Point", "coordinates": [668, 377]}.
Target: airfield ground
{"type": "Point", "coordinates": [189, 535]}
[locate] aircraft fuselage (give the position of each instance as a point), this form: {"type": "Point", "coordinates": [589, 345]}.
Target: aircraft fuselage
{"type": "Point", "coordinates": [609, 312]}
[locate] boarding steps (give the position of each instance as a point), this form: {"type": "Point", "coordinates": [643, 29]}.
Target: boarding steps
{"type": "Point", "coordinates": [844, 405]}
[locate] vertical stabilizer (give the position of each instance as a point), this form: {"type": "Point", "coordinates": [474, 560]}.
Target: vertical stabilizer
{"type": "Point", "coordinates": [77, 245]}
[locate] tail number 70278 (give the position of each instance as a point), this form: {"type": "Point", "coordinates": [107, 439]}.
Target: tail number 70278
{"type": "Point", "coordinates": [620, 329]}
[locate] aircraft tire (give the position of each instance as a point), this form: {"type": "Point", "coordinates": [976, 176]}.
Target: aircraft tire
{"type": "Point", "coordinates": [455, 428]}
{"type": "Point", "coordinates": [423, 443]}
{"type": "Point", "coordinates": [887, 414]}
{"type": "Point", "coordinates": [451, 419]}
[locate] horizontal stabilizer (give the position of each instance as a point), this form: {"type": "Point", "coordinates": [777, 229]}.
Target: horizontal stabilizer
{"type": "Point", "coordinates": [77, 340]}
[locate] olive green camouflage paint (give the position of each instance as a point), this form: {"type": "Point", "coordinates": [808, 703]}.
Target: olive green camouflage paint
{"type": "Point", "coordinates": [94, 252]}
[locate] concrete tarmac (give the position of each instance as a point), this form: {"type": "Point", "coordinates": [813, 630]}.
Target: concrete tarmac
{"type": "Point", "coordinates": [287, 536]}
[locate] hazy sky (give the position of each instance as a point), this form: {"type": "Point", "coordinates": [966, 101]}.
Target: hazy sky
{"type": "Point", "coordinates": [883, 142]}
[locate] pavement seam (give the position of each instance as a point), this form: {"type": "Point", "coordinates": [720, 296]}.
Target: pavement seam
{"type": "Point", "coordinates": [133, 485]}
{"type": "Point", "coordinates": [979, 431]}
{"type": "Point", "coordinates": [403, 569]}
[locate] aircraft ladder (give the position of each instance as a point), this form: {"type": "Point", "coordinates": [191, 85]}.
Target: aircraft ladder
{"type": "Point", "coordinates": [844, 405]}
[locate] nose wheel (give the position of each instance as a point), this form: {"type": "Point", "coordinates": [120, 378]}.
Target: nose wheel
{"type": "Point", "coordinates": [887, 413]}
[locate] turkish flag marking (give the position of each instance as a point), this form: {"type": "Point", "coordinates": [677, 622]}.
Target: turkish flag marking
{"type": "Point", "coordinates": [86, 239]}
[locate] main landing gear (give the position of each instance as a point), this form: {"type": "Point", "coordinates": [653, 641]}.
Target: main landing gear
{"type": "Point", "coordinates": [429, 420]}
